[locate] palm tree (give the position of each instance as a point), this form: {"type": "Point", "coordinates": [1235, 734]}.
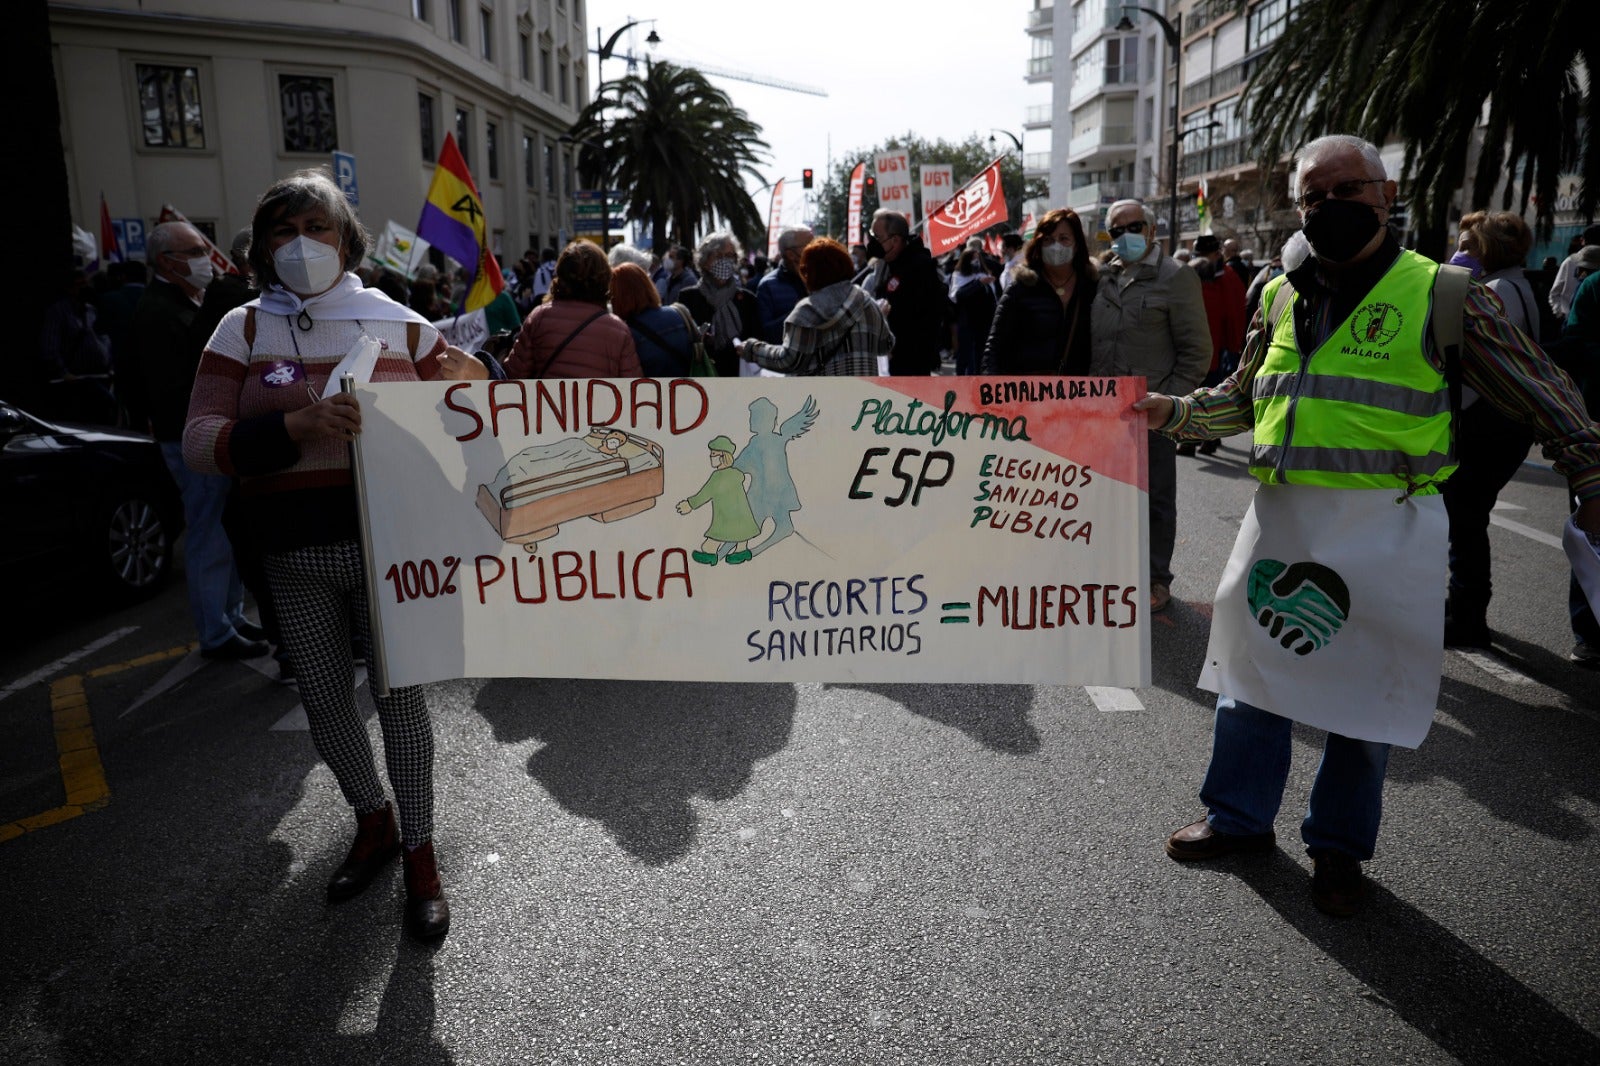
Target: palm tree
{"type": "Point", "coordinates": [678, 149]}
{"type": "Point", "coordinates": [1424, 73]}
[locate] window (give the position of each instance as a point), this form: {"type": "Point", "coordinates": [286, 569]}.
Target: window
{"type": "Point", "coordinates": [426, 126]}
{"type": "Point", "coordinates": [566, 173]}
{"type": "Point", "coordinates": [1122, 60]}
{"type": "Point", "coordinates": [529, 177]}
{"type": "Point", "coordinates": [577, 84]}
{"type": "Point", "coordinates": [464, 127]}
{"type": "Point", "coordinates": [419, 10]}
{"type": "Point", "coordinates": [524, 51]}
{"type": "Point", "coordinates": [452, 14]}
{"type": "Point", "coordinates": [549, 168]}
{"type": "Point", "coordinates": [486, 33]}
{"type": "Point", "coordinates": [169, 103]}
{"type": "Point", "coordinates": [564, 97]}
{"type": "Point", "coordinates": [1266, 23]}
{"type": "Point", "coordinates": [491, 145]}
{"type": "Point", "coordinates": [309, 124]}
{"type": "Point", "coordinates": [544, 70]}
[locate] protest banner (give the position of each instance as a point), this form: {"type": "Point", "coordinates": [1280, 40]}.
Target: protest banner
{"type": "Point", "coordinates": [893, 171]}
{"type": "Point", "coordinates": [400, 250]}
{"type": "Point", "coordinates": [853, 221]}
{"type": "Point", "coordinates": [775, 220]}
{"type": "Point", "coordinates": [750, 529]}
{"type": "Point", "coordinates": [937, 181]}
{"type": "Point", "coordinates": [977, 205]}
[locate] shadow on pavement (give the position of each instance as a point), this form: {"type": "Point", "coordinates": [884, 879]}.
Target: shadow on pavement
{"type": "Point", "coordinates": [1471, 1008]}
{"type": "Point", "coordinates": [632, 754]}
{"type": "Point", "coordinates": [996, 716]}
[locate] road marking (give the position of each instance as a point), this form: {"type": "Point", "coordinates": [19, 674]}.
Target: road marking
{"type": "Point", "coordinates": [78, 757]}
{"type": "Point", "coordinates": [191, 665]}
{"type": "Point", "coordinates": [66, 660]}
{"type": "Point", "coordinates": [1527, 531]}
{"type": "Point", "coordinates": [1491, 665]}
{"type": "Point", "coordinates": [1113, 699]}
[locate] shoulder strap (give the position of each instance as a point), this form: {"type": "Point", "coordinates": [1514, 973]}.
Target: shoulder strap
{"type": "Point", "coordinates": [250, 330]}
{"type": "Point", "coordinates": [581, 327]}
{"type": "Point", "coordinates": [660, 341]}
{"type": "Point", "coordinates": [1449, 307]}
{"type": "Point", "coordinates": [1281, 298]}
{"type": "Point", "coordinates": [413, 337]}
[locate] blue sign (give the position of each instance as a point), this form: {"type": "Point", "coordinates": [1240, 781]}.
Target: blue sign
{"type": "Point", "coordinates": [130, 237]}
{"type": "Point", "coordinates": [344, 172]}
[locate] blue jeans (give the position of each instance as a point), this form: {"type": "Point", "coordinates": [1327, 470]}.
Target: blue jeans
{"type": "Point", "coordinates": [216, 596]}
{"type": "Point", "coordinates": [1250, 765]}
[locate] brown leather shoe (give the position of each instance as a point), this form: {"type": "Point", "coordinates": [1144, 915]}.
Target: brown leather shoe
{"type": "Point", "coordinates": [1197, 842]}
{"type": "Point", "coordinates": [427, 911]}
{"type": "Point", "coordinates": [1338, 888]}
{"type": "Point", "coordinates": [1160, 597]}
{"type": "Point", "coordinates": [375, 845]}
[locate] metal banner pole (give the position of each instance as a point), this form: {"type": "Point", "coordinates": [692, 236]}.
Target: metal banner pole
{"type": "Point", "coordinates": [377, 664]}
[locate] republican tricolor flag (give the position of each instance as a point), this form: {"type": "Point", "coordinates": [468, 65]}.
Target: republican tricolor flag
{"type": "Point", "coordinates": [453, 222]}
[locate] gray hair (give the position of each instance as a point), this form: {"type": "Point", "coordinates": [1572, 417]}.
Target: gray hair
{"type": "Point", "coordinates": [164, 238]}
{"type": "Point", "coordinates": [627, 253]}
{"type": "Point", "coordinates": [1315, 150]}
{"type": "Point", "coordinates": [713, 244]}
{"type": "Point", "coordinates": [792, 236]}
{"type": "Point", "coordinates": [894, 223]}
{"type": "Point", "coordinates": [298, 193]}
{"type": "Point", "coordinates": [1149, 215]}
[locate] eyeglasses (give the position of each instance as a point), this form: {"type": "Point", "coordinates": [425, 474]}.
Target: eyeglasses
{"type": "Point", "coordinates": [1342, 191]}
{"type": "Point", "coordinates": [1132, 227]}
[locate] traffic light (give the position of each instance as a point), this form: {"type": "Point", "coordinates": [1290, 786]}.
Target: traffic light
{"type": "Point", "coordinates": [805, 178]}
{"type": "Point", "coordinates": [871, 183]}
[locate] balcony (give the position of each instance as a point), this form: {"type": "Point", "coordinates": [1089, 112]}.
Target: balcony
{"type": "Point", "coordinates": [1091, 145]}
{"type": "Point", "coordinates": [1090, 199]}
{"type": "Point", "coordinates": [1037, 117]}
{"type": "Point", "coordinates": [1036, 162]}
{"type": "Point", "coordinates": [1224, 155]}
{"type": "Point", "coordinates": [1041, 19]}
{"type": "Point", "coordinates": [1040, 68]}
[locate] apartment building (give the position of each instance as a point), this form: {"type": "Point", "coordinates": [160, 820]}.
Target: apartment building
{"type": "Point", "coordinates": [204, 103]}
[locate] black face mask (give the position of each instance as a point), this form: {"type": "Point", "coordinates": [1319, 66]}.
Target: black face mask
{"type": "Point", "coordinates": [874, 247]}
{"type": "Point", "coordinates": [1338, 229]}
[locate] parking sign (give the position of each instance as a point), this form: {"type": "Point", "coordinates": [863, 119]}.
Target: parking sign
{"type": "Point", "coordinates": [344, 172]}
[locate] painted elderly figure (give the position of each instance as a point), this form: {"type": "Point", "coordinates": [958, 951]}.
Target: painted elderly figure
{"type": "Point", "coordinates": [732, 521]}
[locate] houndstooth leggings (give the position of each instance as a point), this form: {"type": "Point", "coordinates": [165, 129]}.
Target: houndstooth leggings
{"type": "Point", "coordinates": [321, 608]}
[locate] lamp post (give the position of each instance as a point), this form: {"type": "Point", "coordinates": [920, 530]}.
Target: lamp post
{"type": "Point", "coordinates": [1174, 39]}
{"type": "Point", "coordinates": [604, 52]}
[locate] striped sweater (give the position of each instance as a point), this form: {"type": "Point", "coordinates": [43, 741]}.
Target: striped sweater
{"type": "Point", "coordinates": [294, 494]}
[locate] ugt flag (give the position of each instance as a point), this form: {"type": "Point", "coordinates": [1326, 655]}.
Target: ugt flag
{"type": "Point", "coordinates": [979, 204]}
{"type": "Point", "coordinates": [453, 222]}
{"type": "Point", "coordinates": [109, 252]}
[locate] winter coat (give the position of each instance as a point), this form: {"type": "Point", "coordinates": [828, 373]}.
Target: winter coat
{"type": "Point", "coordinates": [776, 296]}
{"type": "Point", "coordinates": [721, 348]}
{"type": "Point", "coordinates": [1149, 319]}
{"type": "Point", "coordinates": [602, 349]}
{"type": "Point", "coordinates": [819, 325]}
{"type": "Point", "coordinates": [1031, 327]}
{"type": "Point", "coordinates": [919, 307]}
{"type": "Point", "coordinates": [665, 323]}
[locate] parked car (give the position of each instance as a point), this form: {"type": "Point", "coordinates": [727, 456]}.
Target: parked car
{"type": "Point", "coordinates": [84, 502]}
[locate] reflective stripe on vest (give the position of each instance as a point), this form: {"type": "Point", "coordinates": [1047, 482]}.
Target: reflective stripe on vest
{"type": "Point", "coordinates": [1366, 410]}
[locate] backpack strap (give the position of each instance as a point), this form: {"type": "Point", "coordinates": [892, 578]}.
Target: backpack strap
{"type": "Point", "coordinates": [250, 330]}
{"type": "Point", "coordinates": [1450, 286]}
{"type": "Point", "coordinates": [1282, 297]}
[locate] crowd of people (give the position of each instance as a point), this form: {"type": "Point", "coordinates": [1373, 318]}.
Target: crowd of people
{"type": "Point", "coordinates": [231, 374]}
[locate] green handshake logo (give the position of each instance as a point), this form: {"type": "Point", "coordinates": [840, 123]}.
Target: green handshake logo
{"type": "Point", "coordinates": [1300, 605]}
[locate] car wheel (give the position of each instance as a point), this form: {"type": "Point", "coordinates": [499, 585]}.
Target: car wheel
{"type": "Point", "coordinates": [134, 546]}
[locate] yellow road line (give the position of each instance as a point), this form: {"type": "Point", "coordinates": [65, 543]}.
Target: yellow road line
{"type": "Point", "coordinates": [82, 774]}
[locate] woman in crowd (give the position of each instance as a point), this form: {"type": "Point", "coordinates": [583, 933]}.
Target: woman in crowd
{"type": "Point", "coordinates": [571, 334]}
{"type": "Point", "coordinates": [258, 412]}
{"type": "Point", "coordinates": [660, 334]}
{"type": "Point", "coordinates": [972, 290]}
{"type": "Point", "coordinates": [1041, 325]}
{"type": "Point", "coordinates": [725, 310]}
{"type": "Point", "coordinates": [836, 330]}
{"type": "Point", "coordinates": [1490, 447]}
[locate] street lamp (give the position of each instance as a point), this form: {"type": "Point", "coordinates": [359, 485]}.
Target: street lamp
{"type": "Point", "coordinates": [604, 52]}
{"type": "Point", "coordinates": [1174, 39]}
{"type": "Point", "coordinates": [1014, 140]}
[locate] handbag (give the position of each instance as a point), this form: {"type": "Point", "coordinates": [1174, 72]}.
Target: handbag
{"type": "Point", "coordinates": [700, 362]}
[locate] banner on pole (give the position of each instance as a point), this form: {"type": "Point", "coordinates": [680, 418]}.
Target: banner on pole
{"type": "Point", "coordinates": [400, 250]}
{"type": "Point", "coordinates": [979, 204]}
{"type": "Point", "coordinates": [775, 221]}
{"type": "Point", "coordinates": [853, 223]}
{"type": "Point", "coordinates": [893, 171]}
{"type": "Point", "coordinates": [759, 529]}
{"type": "Point", "coordinates": [937, 181]}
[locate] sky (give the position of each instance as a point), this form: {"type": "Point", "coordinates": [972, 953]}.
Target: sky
{"type": "Point", "coordinates": [940, 70]}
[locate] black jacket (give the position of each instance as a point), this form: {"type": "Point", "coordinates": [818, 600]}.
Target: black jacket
{"type": "Point", "coordinates": [919, 307]}
{"type": "Point", "coordinates": [721, 348]}
{"type": "Point", "coordinates": [1030, 330]}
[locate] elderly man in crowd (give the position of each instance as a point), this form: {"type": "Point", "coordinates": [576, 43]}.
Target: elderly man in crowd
{"type": "Point", "coordinates": [1149, 320]}
{"type": "Point", "coordinates": [781, 289]}
{"type": "Point", "coordinates": [1331, 610]}
{"type": "Point", "coordinates": [166, 356]}
{"type": "Point", "coordinates": [909, 291]}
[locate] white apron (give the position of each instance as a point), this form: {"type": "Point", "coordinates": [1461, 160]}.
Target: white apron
{"type": "Point", "coordinates": [1331, 611]}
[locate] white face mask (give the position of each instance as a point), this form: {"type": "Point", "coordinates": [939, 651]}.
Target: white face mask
{"type": "Point", "coordinates": [1058, 255]}
{"type": "Point", "coordinates": [201, 271]}
{"type": "Point", "coordinates": [307, 267]}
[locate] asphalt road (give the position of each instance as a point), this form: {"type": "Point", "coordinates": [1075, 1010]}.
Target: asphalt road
{"type": "Point", "coordinates": [685, 873]}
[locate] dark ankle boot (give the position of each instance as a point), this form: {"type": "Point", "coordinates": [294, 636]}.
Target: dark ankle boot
{"type": "Point", "coordinates": [375, 844]}
{"type": "Point", "coordinates": [427, 911]}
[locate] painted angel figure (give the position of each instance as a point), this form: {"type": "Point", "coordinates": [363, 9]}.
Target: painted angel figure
{"type": "Point", "coordinates": [766, 459]}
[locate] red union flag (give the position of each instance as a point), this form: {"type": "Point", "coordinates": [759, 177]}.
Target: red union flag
{"type": "Point", "coordinates": [979, 203]}
{"type": "Point", "coordinates": [853, 228]}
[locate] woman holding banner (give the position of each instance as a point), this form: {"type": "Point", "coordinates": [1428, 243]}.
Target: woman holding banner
{"type": "Point", "coordinates": [1042, 323]}
{"type": "Point", "coordinates": [266, 408]}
